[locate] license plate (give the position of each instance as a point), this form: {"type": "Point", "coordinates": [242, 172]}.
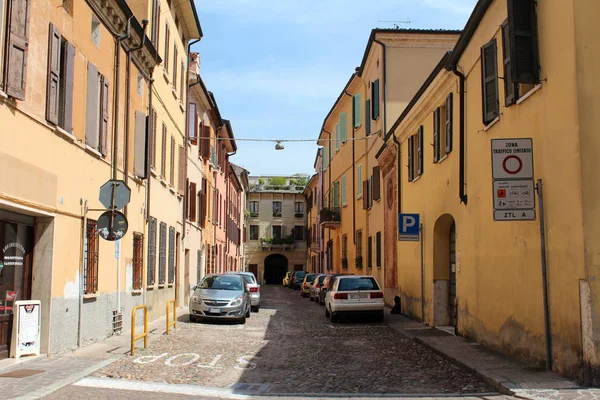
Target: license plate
{"type": "Point", "coordinates": [357, 296]}
{"type": "Point", "coordinates": [214, 310]}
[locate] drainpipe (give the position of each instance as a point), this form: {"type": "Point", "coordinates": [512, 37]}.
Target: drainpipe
{"type": "Point", "coordinates": [461, 179]}
{"type": "Point", "coordinates": [187, 130]}
{"type": "Point", "coordinates": [148, 152]}
{"type": "Point", "coordinates": [398, 173]}
{"type": "Point", "coordinates": [84, 209]}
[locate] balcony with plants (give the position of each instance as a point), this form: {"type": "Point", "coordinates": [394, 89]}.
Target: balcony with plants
{"type": "Point", "coordinates": [270, 243]}
{"type": "Point", "coordinates": [331, 218]}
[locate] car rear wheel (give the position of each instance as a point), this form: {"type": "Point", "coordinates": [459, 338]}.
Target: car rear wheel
{"type": "Point", "coordinates": [255, 308]}
{"type": "Point", "coordinates": [333, 317]}
{"type": "Point", "coordinates": [379, 316]}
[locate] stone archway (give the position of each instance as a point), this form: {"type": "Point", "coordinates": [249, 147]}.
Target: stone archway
{"type": "Point", "coordinates": [276, 265]}
{"type": "Point", "coordinates": [444, 272]}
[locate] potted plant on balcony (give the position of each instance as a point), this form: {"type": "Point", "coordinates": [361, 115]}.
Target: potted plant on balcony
{"type": "Point", "coordinates": [344, 263]}
{"type": "Point", "coordinates": [358, 262]}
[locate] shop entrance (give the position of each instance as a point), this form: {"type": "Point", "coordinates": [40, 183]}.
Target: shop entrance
{"type": "Point", "coordinates": [16, 250]}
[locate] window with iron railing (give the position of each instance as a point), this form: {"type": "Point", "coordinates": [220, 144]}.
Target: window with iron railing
{"type": "Point", "coordinates": [151, 268]}
{"type": "Point", "coordinates": [162, 254]}
{"type": "Point", "coordinates": [171, 255]}
{"type": "Point", "coordinates": [277, 209]}
{"type": "Point", "coordinates": [138, 260]}
{"type": "Point", "coordinates": [299, 209]}
{"type": "Point", "coordinates": [90, 277]}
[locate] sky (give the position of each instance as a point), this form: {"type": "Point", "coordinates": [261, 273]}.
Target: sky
{"type": "Point", "coordinates": [277, 66]}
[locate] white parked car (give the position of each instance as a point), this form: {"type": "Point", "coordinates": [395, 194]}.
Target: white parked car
{"type": "Point", "coordinates": [354, 294]}
{"type": "Point", "coordinates": [253, 286]}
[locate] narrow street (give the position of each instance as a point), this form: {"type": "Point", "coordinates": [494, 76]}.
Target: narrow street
{"type": "Point", "coordinates": [288, 349]}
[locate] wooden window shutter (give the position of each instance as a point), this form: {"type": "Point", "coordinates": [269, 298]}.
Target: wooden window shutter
{"type": "Point", "coordinates": [411, 165]}
{"type": "Point", "coordinates": [182, 86]}
{"type": "Point", "coordinates": [523, 41]}
{"type": "Point", "coordinates": [91, 108]}
{"type": "Point", "coordinates": [375, 99]}
{"type": "Point", "coordinates": [205, 142]}
{"type": "Point", "coordinates": [155, 22]}
{"type": "Point", "coordinates": [104, 116]}
{"type": "Point", "coordinates": [166, 60]}
{"type": "Point", "coordinates": [192, 201]}
{"type": "Point", "coordinates": [357, 114]}
{"type": "Point", "coordinates": [175, 62]}
{"type": "Point", "coordinates": [365, 190]}
{"type": "Point", "coordinates": [449, 122]}
{"type": "Point", "coordinates": [15, 64]}
{"type": "Point", "coordinates": [370, 252]}
{"type": "Point", "coordinates": [370, 191]}
{"type": "Point", "coordinates": [511, 89]}
{"type": "Point", "coordinates": [436, 135]}
{"type": "Point", "coordinates": [53, 78]}
{"type": "Point", "coordinates": [489, 81]}
{"type": "Point", "coordinates": [368, 117]}
{"type": "Point", "coordinates": [420, 151]}
{"type": "Point", "coordinates": [163, 153]}
{"type": "Point", "coordinates": [193, 123]}
{"type": "Point", "coordinates": [172, 163]}
{"type": "Point", "coordinates": [376, 183]}
{"type": "Point", "coordinates": [181, 172]}
{"type": "Point", "coordinates": [343, 127]}
{"type": "Point", "coordinates": [67, 88]}
{"type": "Point", "coordinates": [153, 138]}
{"type": "Point", "coordinates": [204, 202]}
{"type": "Point", "coordinates": [139, 156]}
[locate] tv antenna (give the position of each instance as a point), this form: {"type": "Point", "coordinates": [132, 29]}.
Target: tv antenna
{"type": "Point", "coordinates": [396, 23]}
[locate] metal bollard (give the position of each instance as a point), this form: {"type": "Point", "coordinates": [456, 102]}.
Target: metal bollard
{"type": "Point", "coordinates": [143, 335]}
{"type": "Point", "coordinates": [174, 323]}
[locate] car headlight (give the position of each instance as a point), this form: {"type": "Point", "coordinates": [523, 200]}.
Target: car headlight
{"type": "Point", "coordinates": [195, 298]}
{"type": "Point", "coordinates": [237, 301]}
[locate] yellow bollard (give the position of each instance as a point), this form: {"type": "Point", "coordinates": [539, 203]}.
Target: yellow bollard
{"type": "Point", "coordinates": [174, 323]}
{"type": "Point", "coordinates": [143, 335]}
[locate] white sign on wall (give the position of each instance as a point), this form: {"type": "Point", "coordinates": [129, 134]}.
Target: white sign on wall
{"type": "Point", "coordinates": [512, 159]}
{"type": "Point", "coordinates": [26, 328]}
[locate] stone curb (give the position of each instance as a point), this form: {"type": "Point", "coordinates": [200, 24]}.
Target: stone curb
{"type": "Point", "coordinates": [499, 386]}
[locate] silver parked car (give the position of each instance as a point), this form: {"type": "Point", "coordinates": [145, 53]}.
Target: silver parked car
{"type": "Point", "coordinates": [253, 286]}
{"type": "Point", "coordinates": [221, 297]}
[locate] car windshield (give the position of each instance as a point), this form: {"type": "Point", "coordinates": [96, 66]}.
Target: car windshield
{"type": "Point", "coordinates": [310, 278]}
{"type": "Point", "coordinates": [321, 279]}
{"type": "Point", "coordinates": [222, 282]}
{"type": "Point", "coordinates": [249, 278]}
{"type": "Point", "coordinates": [365, 283]}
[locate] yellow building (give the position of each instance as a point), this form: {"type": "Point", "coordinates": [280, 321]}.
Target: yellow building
{"type": "Point", "coordinates": [276, 227]}
{"type": "Point", "coordinates": [394, 63]}
{"type": "Point", "coordinates": [511, 114]}
{"type": "Point", "coordinates": [172, 27]}
{"type": "Point", "coordinates": [312, 225]}
{"type": "Point", "coordinates": [63, 102]}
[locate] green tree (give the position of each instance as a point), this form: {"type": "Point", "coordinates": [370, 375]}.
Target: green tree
{"type": "Point", "coordinates": [277, 181]}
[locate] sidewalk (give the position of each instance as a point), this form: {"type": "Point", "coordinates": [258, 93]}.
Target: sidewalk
{"type": "Point", "coordinates": [507, 375]}
{"type": "Point", "coordinates": [30, 378]}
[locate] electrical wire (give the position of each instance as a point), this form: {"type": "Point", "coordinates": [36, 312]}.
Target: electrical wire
{"type": "Point", "coordinates": [287, 140]}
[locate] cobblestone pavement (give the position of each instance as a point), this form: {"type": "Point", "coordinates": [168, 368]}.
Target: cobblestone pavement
{"type": "Point", "coordinates": [290, 347]}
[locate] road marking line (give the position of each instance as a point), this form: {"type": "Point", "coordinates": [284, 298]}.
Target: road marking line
{"type": "Point", "coordinates": [139, 386]}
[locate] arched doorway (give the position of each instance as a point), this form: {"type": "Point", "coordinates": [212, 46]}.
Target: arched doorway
{"type": "Point", "coordinates": [276, 265]}
{"type": "Point", "coordinates": [445, 311]}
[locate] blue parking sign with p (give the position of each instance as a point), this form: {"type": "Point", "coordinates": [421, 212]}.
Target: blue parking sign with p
{"type": "Point", "coordinates": [408, 227]}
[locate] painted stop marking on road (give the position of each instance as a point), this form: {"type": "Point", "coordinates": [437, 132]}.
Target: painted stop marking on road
{"type": "Point", "coordinates": [512, 165]}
